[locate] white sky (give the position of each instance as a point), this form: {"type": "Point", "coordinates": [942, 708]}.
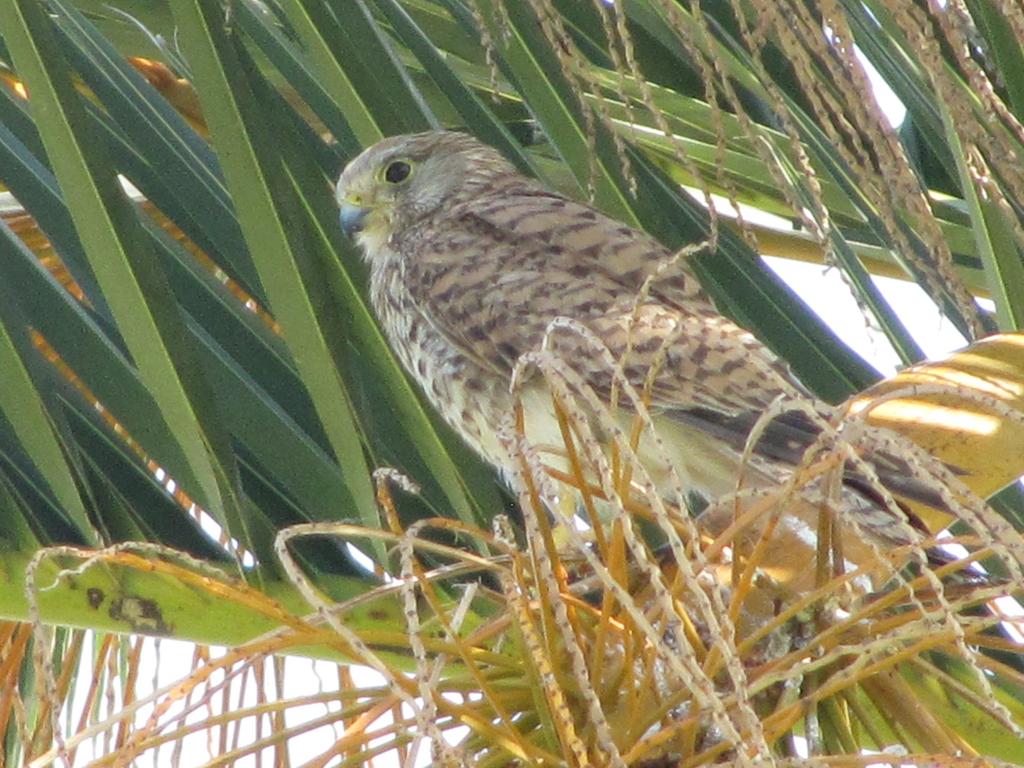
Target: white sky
{"type": "Point", "coordinates": [824, 292]}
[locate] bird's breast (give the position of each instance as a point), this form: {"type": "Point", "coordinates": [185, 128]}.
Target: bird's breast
{"type": "Point", "coordinates": [473, 400]}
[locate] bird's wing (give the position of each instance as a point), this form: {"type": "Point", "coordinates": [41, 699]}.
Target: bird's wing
{"type": "Point", "coordinates": [493, 273]}
{"type": "Point", "coordinates": [786, 438]}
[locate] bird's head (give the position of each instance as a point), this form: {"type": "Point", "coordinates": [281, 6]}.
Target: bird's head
{"type": "Point", "coordinates": [401, 179]}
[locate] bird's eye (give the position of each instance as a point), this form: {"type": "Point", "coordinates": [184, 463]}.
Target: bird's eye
{"type": "Point", "coordinates": [397, 172]}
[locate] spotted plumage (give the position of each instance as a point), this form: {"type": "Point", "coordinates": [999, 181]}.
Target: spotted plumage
{"type": "Point", "coordinates": [470, 262]}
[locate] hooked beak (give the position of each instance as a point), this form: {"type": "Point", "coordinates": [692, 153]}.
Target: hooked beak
{"type": "Point", "coordinates": [352, 218]}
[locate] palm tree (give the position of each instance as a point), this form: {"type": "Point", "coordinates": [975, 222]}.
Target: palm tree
{"type": "Point", "coordinates": [195, 400]}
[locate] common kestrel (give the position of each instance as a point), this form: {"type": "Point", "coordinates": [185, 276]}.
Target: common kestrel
{"type": "Point", "coordinates": [471, 261]}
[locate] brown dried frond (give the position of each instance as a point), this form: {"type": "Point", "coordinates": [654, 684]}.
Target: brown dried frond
{"type": "Point", "coordinates": [847, 630]}
{"type": "Point", "coordinates": [593, 647]}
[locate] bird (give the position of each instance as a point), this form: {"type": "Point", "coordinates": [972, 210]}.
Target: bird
{"type": "Point", "coordinates": [471, 266]}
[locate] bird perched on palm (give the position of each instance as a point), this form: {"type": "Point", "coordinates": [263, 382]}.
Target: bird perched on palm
{"type": "Point", "coordinates": [470, 264]}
